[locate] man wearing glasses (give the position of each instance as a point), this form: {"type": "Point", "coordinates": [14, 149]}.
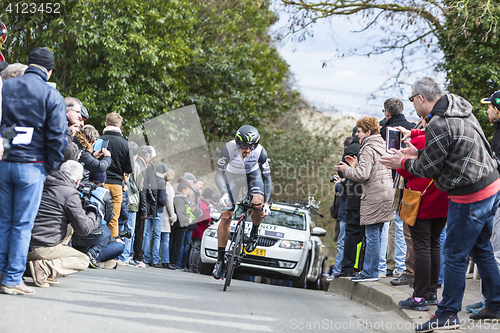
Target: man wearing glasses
{"type": "Point", "coordinates": [243, 163]}
{"type": "Point", "coordinates": [73, 113]}
{"type": "Point", "coordinates": [458, 158]}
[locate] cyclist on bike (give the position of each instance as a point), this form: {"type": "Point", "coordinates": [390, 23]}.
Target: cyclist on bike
{"type": "Point", "coordinates": [243, 163]}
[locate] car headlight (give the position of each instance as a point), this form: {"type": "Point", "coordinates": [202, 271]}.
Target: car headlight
{"type": "Point", "coordinates": [291, 244]}
{"type": "Point", "coordinates": [212, 233]}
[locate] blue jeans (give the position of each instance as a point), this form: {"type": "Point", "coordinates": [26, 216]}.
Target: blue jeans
{"type": "Point", "coordinates": [441, 270]}
{"type": "Point", "coordinates": [92, 243]}
{"type": "Point", "coordinates": [469, 231]}
{"type": "Point", "coordinates": [21, 186]}
{"type": "Point", "coordinates": [165, 247]}
{"type": "Point", "coordinates": [372, 251]}
{"type": "Point", "coordinates": [153, 224]}
{"type": "Point", "coordinates": [100, 246]}
{"type": "Point", "coordinates": [384, 237]}
{"type": "Point", "coordinates": [110, 251]}
{"type": "Point", "coordinates": [340, 249]}
{"type": "Point", "coordinates": [400, 245]}
{"type": "Point", "coordinates": [186, 243]}
{"type": "Point", "coordinates": [130, 226]}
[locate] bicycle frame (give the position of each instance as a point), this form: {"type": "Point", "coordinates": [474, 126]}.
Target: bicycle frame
{"type": "Point", "coordinates": [235, 254]}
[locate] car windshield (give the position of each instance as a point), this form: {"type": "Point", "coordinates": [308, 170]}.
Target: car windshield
{"type": "Point", "coordinates": [279, 217]}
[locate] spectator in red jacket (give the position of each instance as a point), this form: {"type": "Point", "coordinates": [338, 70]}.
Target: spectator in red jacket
{"type": "Point", "coordinates": [194, 257]}
{"type": "Point", "coordinates": [425, 234]}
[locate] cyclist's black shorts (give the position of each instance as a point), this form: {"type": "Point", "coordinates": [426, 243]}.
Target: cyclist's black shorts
{"type": "Point", "coordinates": [238, 186]}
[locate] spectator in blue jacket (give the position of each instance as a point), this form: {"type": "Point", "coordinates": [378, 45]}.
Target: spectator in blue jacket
{"type": "Point", "coordinates": [39, 111]}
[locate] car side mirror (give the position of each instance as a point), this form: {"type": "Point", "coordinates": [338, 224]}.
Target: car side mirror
{"type": "Point", "coordinates": [317, 231]}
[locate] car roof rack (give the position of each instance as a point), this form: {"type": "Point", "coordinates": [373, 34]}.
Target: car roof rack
{"type": "Point", "coordinates": [312, 205]}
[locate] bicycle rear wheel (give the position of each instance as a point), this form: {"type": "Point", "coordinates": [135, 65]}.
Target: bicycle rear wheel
{"type": "Point", "coordinates": [235, 249]}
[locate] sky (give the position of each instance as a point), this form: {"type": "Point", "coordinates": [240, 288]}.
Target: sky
{"type": "Point", "coordinates": [351, 85]}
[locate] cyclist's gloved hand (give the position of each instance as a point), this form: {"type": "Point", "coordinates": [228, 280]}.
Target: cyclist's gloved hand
{"type": "Point", "coordinates": [266, 210]}
{"type": "Point", "coordinates": [224, 200]}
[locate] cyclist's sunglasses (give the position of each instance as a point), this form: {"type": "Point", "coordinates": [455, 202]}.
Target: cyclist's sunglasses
{"type": "Point", "coordinates": [246, 146]}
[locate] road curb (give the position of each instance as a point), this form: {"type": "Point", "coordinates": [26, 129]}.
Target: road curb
{"type": "Point", "coordinates": [379, 296]}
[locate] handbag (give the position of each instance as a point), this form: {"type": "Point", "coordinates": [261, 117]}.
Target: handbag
{"type": "Point", "coordinates": [408, 210]}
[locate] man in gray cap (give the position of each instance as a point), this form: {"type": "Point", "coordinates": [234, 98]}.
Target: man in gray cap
{"type": "Point", "coordinates": [39, 112]}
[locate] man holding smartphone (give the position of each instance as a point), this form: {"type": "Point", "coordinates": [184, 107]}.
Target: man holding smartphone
{"type": "Point", "coordinates": [459, 161]}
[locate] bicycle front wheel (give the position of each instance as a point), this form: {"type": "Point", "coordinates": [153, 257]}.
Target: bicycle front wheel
{"type": "Point", "coordinates": [235, 249]}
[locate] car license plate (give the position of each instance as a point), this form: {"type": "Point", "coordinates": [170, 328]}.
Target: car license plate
{"type": "Point", "coordinates": [257, 252]}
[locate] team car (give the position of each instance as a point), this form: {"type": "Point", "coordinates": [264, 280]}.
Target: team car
{"type": "Point", "coordinates": [288, 246]}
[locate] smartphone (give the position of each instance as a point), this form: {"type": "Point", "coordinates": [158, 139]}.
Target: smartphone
{"type": "Point", "coordinates": [105, 144]}
{"type": "Point", "coordinates": [393, 139]}
{"type": "Point", "coordinates": [98, 144]}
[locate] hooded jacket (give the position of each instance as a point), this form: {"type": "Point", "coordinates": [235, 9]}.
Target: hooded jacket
{"type": "Point", "coordinates": [378, 193]}
{"type": "Point", "coordinates": [60, 206]}
{"type": "Point", "coordinates": [28, 101]}
{"type": "Point", "coordinates": [454, 155]}
{"type": "Point", "coordinates": [183, 211]}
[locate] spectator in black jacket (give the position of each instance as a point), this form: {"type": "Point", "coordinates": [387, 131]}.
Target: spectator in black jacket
{"type": "Point", "coordinates": [59, 214]}
{"type": "Point", "coordinates": [29, 102]}
{"type": "Point", "coordinates": [354, 231]}
{"type": "Point", "coordinates": [121, 164]}
{"type": "Point", "coordinates": [153, 223]}
{"type": "Point", "coordinates": [396, 252]}
{"type": "Point", "coordinates": [393, 112]}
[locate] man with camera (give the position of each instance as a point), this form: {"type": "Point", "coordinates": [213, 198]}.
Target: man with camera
{"type": "Point", "coordinates": [38, 112]}
{"type": "Point", "coordinates": [99, 246]}
{"type": "Point", "coordinates": [61, 212]}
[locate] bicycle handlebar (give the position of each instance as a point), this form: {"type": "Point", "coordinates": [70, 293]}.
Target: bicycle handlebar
{"type": "Point", "coordinates": [249, 205]}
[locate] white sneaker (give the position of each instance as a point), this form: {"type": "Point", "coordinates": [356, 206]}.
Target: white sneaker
{"type": "Point", "coordinates": [396, 273]}
{"type": "Point", "coordinates": [381, 276]}
{"type": "Point", "coordinates": [140, 264]}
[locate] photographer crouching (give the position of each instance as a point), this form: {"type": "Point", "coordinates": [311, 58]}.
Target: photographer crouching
{"type": "Point", "coordinates": [60, 213]}
{"type": "Point", "coordinates": [99, 246]}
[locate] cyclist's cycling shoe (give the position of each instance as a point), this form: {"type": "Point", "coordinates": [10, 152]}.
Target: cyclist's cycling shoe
{"type": "Point", "coordinates": [218, 271]}
{"type": "Point", "coordinates": [252, 242]}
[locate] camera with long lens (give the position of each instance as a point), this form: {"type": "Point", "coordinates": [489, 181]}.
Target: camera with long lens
{"type": "Point", "coordinates": [86, 191]}
{"type": "Point", "coordinates": [8, 134]}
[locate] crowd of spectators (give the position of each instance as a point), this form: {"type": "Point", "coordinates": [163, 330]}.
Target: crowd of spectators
{"type": "Point", "coordinates": [451, 164]}
{"type": "Point", "coordinates": [74, 199]}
